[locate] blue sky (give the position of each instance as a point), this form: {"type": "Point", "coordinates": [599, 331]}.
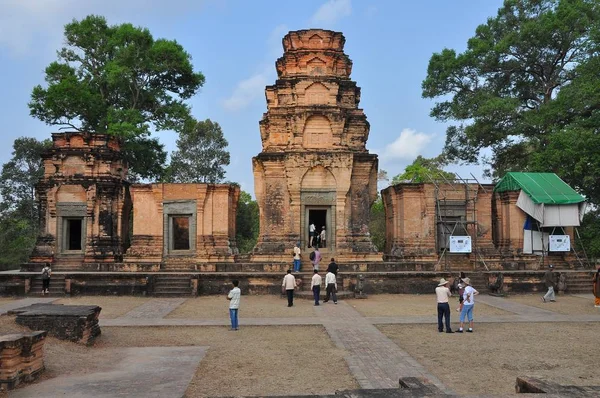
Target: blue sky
{"type": "Point", "coordinates": [235, 44]}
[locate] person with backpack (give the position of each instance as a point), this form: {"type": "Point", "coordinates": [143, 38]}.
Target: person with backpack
{"type": "Point", "coordinates": [46, 273]}
{"type": "Point", "coordinates": [315, 257]}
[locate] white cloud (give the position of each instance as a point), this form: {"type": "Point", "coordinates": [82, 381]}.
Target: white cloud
{"type": "Point", "coordinates": [331, 12]}
{"type": "Point", "coordinates": [248, 90]}
{"type": "Point", "coordinates": [407, 146]}
{"type": "Point", "coordinates": [253, 87]}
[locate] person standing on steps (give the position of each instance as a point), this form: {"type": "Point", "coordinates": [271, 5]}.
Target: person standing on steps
{"type": "Point", "coordinates": [315, 286]}
{"type": "Point", "coordinates": [311, 234]}
{"type": "Point", "coordinates": [289, 284]}
{"type": "Point", "coordinates": [443, 307]}
{"type": "Point", "coordinates": [550, 281]}
{"type": "Point", "coordinates": [468, 304]}
{"type": "Point", "coordinates": [234, 304]}
{"type": "Point", "coordinates": [46, 274]}
{"type": "Point", "coordinates": [597, 288]}
{"type": "Point", "coordinates": [323, 237]}
{"type": "Point", "coordinates": [333, 267]}
{"type": "Point", "coordinates": [331, 287]}
{"type": "Point", "coordinates": [297, 257]}
{"type": "Point", "coordinates": [316, 259]}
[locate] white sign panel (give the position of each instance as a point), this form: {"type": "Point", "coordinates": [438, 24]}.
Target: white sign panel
{"type": "Point", "coordinates": [460, 244]}
{"type": "Point", "coordinates": [560, 243]}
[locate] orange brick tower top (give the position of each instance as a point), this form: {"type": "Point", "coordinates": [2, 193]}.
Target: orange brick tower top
{"type": "Point", "coordinates": [314, 52]}
{"type": "Point", "coordinates": [313, 105]}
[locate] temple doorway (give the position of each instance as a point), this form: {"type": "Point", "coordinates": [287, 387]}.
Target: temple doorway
{"type": "Point", "coordinates": [73, 231]}
{"type": "Point", "coordinates": [318, 216]}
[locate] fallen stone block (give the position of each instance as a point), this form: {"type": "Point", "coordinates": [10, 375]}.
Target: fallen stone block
{"type": "Point", "coordinates": [529, 385]}
{"type": "Point", "coordinates": [77, 323]}
{"type": "Point", "coordinates": [21, 358]}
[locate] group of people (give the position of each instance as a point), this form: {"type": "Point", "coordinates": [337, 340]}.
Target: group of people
{"type": "Point", "coordinates": [315, 257]}
{"type": "Point", "coordinates": [316, 238]}
{"type": "Point", "coordinates": [466, 300]}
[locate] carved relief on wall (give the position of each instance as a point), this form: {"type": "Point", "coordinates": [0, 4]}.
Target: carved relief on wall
{"type": "Point", "coordinates": [316, 94]}
{"type": "Point", "coordinates": [317, 132]}
{"type": "Point", "coordinates": [316, 66]}
{"type": "Point", "coordinates": [318, 178]}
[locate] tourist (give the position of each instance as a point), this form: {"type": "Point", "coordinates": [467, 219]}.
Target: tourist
{"type": "Point", "coordinates": [549, 280]}
{"type": "Point", "coordinates": [316, 258]}
{"type": "Point", "coordinates": [331, 287]}
{"type": "Point", "coordinates": [597, 288]}
{"type": "Point", "coordinates": [315, 286]}
{"type": "Point", "coordinates": [46, 274]}
{"type": "Point", "coordinates": [333, 267]}
{"type": "Point", "coordinates": [468, 304]}
{"type": "Point", "coordinates": [297, 254]}
{"type": "Point", "coordinates": [443, 307]}
{"type": "Point", "coordinates": [234, 304]}
{"type": "Point", "coordinates": [311, 234]}
{"type": "Point", "coordinates": [323, 237]}
{"type": "Point", "coordinates": [289, 284]}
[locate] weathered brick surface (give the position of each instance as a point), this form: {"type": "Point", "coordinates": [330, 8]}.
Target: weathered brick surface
{"type": "Point", "coordinates": [77, 323]}
{"type": "Point", "coordinates": [21, 358]}
{"type": "Point", "coordinates": [84, 176]}
{"type": "Point", "coordinates": [313, 149]}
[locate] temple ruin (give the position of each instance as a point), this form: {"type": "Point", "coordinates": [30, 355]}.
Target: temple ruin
{"type": "Point", "coordinates": [314, 167]}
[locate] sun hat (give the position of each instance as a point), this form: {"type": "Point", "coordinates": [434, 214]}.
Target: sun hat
{"type": "Point", "coordinates": [466, 281]}
{"type": "Point", "coordinates": [442, 282]}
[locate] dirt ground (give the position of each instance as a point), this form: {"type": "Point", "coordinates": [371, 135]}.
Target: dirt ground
{"type": "Point", "coordinates": [112, 306]}
{"type": "Point", "coordinates": [252, 361]}
{"type": "Point", "coordinates": [567, 305]}
{"type": "Point", "coordinates": [407, 305]}
{"type": "Point", "coordinates": [6, 300]}
{"type": "Point", "coordinates": [217, 307]}
{"type": "Point", "coordinates": [490, 359]}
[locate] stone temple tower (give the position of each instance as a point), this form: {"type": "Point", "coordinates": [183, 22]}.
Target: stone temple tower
{"type": "Point", "coordinates": [314, 167]}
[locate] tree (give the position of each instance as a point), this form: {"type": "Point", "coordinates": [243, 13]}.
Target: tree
{"type": "Point", "coordinates": [18, 209]}
{"type": "Point", "coordinates": [247, 223]}
{"type": "Point", "coordinates": [503, 89]}
{"type": "Point", "coordinates": [118, 80]}
{"type": "Point", "coordinates": [19, 176]}
{"type": "Point", "coordinates": [201, 154]}
{"type": "Point", "coordinates": [590, 234]}
{"type": "Point", "coordinates": [424, 170]}
{"type": "Point", "coordinates": [377, 223]}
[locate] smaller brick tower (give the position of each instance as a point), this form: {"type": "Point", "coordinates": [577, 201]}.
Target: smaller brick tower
{"type": "Point", "coordinates": [84, 204]}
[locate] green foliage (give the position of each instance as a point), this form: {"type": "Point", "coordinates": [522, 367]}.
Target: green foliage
{"type": "Point", "coordinates": [18, 209]}
{"type": "Point", "coordinates": [377, 224]}
{"type": "Point", "coordinates": [201, 154]}
{"type": "Point", "coordinates": [118, 80]}
{"type": "Point", "coordinates": [424, 170]}
{"type": "Point", "coordinates": [506, 89]}
{"type": "Point", "coordinates": [590, 234]}
{"type": "Point", "coordinates": [247, 223]}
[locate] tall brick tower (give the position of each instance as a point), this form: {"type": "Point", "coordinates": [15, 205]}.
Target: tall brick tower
{"type": "Point", "coordinates": [314, 167]}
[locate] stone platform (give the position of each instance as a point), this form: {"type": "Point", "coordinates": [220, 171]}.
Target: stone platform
{"type": "Point", "coordinates": [21, 358]}
{"type": "Point", "coordinates": [77, 323]}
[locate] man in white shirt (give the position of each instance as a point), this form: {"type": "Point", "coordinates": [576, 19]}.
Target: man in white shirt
{"type": "Point", "coordinates": [297, 253]}
{"type": "Point", "coordinates": [234, 304]}
{"type": "Point", "coordinates": [315, 286]}
{"type": "Point", "coordinates": [443, 307]}
{"type": "Point", "coordinates": [311, 234]}
{"type": "Point", "coordinates": [331, 286]}
{"type": "Point", "coordinates": [468, 304]}
{"type": "Point", "coordinates": [289, 284]}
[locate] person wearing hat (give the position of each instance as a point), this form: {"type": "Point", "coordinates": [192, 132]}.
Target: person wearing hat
{"type": "Point", "coordinates": [443, 307]}
{"type": "Point", "coordinates": [468, 304]}
{"type": "Point", "coordinates": [550, 282]}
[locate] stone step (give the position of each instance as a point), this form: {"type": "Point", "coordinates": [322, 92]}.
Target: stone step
{"type": "Point", "coordinates": [308, 295]}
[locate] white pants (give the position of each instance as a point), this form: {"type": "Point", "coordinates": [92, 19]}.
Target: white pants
{"type": "Point", "coordinates": [550, 294]}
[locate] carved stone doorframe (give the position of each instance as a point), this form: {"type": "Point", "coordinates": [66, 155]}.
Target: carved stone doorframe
{"type": "Point", "coordinates": [318, 200]}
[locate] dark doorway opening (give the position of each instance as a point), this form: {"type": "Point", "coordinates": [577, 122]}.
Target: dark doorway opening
{"type": "Point", "coordinates": [319, 219]}
{"type": "Point", "coordinates": [181, 233]}
{"type": "Point", "coordinates": [73, 233]}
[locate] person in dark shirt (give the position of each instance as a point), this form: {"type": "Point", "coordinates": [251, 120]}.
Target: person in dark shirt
{"type": "Point", "coordinates": [332, 267]}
